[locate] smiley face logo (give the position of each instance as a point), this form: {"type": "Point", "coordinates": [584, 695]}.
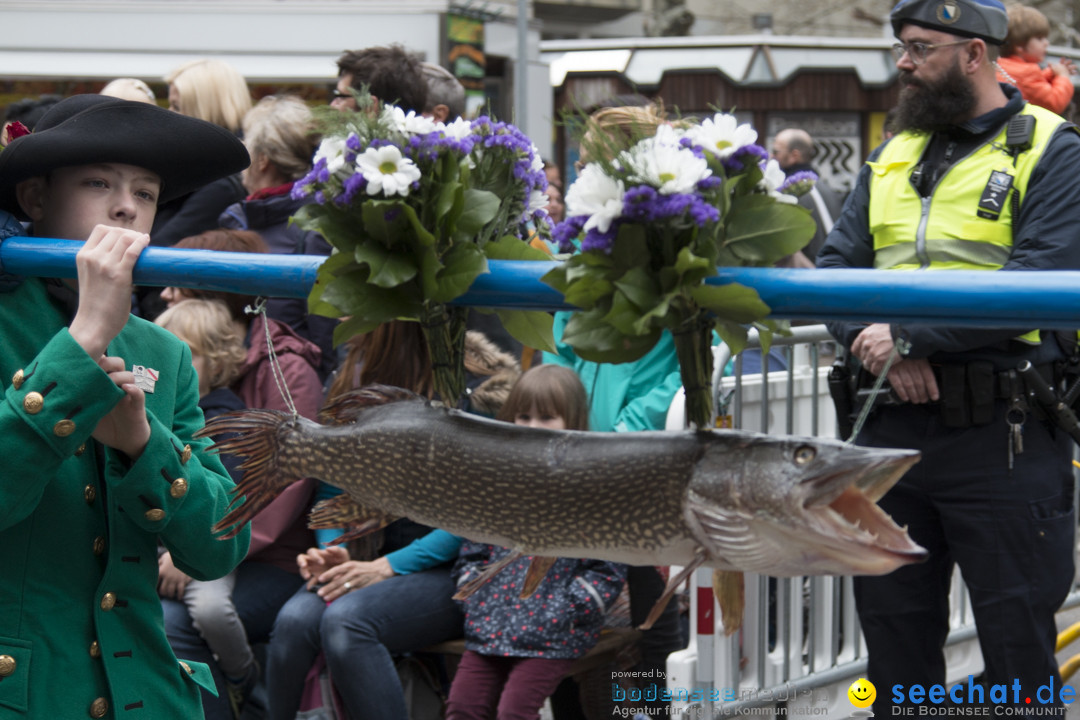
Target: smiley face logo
{"type": "Point", "coordinates": [862, 693]}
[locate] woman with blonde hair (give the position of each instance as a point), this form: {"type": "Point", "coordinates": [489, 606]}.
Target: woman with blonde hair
{"type": "Point", "coordinates": [211, 90]}
{"type": "Point", "coordinates": [214, 91]}
{"type": "Point", "coordinates": [280, 136]}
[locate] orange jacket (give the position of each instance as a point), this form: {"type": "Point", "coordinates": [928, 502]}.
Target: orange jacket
{"type": "Point", "coordinates": [1040, 86]}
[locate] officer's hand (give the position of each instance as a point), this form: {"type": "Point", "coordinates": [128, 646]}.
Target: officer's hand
{"type": "Point", "coordinates": [105, 263]}
{"type": "Point", "coordinates": [873, 346]}
{"type": "Point", "coordinates": [913, 381]}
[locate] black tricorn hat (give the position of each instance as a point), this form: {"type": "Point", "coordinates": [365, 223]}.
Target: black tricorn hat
{"type": "Point", "coordinates": [186, 153]}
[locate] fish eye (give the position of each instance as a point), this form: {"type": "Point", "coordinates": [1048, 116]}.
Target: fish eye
{"type": "Point", "coordinates": [804, 454]}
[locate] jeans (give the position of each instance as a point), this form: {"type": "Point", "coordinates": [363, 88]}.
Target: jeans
{"type": "Point", "coordinates": [260, 591]}
{"type": "Point", "coordinates": [359, 633]}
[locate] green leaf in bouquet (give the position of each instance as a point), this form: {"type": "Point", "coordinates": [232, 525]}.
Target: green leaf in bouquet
{"type": "Point", "coordinates": [450, 203]}
{"type": "Point", "coordinates": [656, 315]}
{"type": "Point", "coordinates": [531, 328]}
{"type": "Point", "coordinates": [385, 222]}
{"type": "Point", "coordinates": [631, 247]}
{"type": "Point", "coordinates": [623, 314]}
{"type": "Point", "coordinates": [587, 290]}
{"type": "Point", "coordinates": [734, 302]}
{"type": "Point", "coordinates": [596, 341]}
{"type": "Point", "coordinates": [556, 278]}
{"type": "Point", "coordinates": [335, 265]}
{"type": "Point", "coordinates": [352, 327]}
{"type": "Point", "coordinates": [481, 207]}
{"type": "Point", "coordinates": [509, 247]}
{"type": "Point", "coordinates": [460, 267]}
{"type": "Point", "coordinates": [388, 269]}
{"type": "Point", "coordinates": [352, 294]}
{"type": "Point", "coordinates": [693, 268]}
{"type": "Point", "coordinates": [341, 228]}
{"type": "Point", "coordinates": [422, 235]}
{"type": "Point", "coordinates": [639, 287]}
{"type": "Point", "coordinates": [761, 230]}
{"type": "Point", "coordinates": [734, 335]}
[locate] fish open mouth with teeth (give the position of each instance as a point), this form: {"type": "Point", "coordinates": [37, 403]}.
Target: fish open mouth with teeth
{"type": "Point", "coordinates": [730, 500]}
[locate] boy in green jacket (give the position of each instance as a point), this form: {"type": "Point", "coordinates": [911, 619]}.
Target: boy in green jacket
{"type": "Point", "coordinates": [96, 422]}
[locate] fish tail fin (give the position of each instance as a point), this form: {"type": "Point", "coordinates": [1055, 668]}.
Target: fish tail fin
{"type": "Point", "coordinates": [538, 568]}
{"type": "Point", "coordinates": [485, 575]}
{"type": "Point", "coordinates": [729, 586]}
{"type": "Point", "coordinates": [342, 511]}
{"type": "Point", "coordinates": [347, 408]}
{"type": "Point", "coordinates": [254, 435]}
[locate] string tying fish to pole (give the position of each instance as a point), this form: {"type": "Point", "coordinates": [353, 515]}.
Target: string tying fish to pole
{"type": "Point", "coordinates": [730, 500]}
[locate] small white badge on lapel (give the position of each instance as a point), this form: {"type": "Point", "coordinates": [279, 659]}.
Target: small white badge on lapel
{"type": "Point", "coordinates": [145, 378]}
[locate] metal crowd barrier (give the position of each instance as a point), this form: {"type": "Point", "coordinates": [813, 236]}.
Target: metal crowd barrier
{"type": "Point", "coordinates": [800, 646]}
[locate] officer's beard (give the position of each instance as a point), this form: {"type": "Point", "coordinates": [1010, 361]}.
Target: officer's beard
{"type": "Point", "coordinates": [934, 106]}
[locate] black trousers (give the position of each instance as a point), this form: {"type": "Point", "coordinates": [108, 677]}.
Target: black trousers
{"type": "Point", "coordinates": [1011, 532]}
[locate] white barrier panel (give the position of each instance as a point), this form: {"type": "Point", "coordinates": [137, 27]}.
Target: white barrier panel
{"type": "Point", "coordinates": [800, 647]}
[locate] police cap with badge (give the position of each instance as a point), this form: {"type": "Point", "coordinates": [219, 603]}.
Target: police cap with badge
{"type": "Point", "coordinates": [983, 19]}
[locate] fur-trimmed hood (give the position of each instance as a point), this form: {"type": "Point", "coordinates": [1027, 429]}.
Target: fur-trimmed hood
{"type": "Point", "coordinates": [491, 373]}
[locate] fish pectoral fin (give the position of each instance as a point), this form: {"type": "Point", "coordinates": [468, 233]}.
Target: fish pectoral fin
{"type": "Point", "coordinates": [538, 568]}
{"type": "Point", "coordinates": [341, 511]}
{"type": "Point", "coordinates": [673, 585]}
{"type": "Point", "coordinates": [347, 408]}
{"type": "Point", "coordinates": [729, 586]}
{"type": "Point", "coordinates": [486, 574]}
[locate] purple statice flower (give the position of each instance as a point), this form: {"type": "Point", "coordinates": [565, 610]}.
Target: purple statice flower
{"type": "Point", "coordinates": [744, 157]}
{"type": "Point", "coordinates": [320, 197]}
{"type": "Point", "coordinates": [565, 232]}
{"type": "Point", "coordinates": [392, 214]}
{"type": "Point", "coordinates": [713, 181]}
{"type": "Point", "coordinates": [639, 203]}
{"type": "Point", "coordinates": [703, 213]}
{"type": "Point", "coordinates": [353, 185]}
{"type": "Point", "coordinates": [353, 142]}
{"type": "Point", "coordinates": [302, 187]}
{"type": "Point", "coordinates": [693, 147]}
{"type": "Point", "coordinates": [799, 183]}
{"type": "Point", "coordinates": [600, 242]}
{"type": "Point", "coordinates": [321, 172]}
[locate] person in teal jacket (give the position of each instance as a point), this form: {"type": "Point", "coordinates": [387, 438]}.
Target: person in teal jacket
{"type": "Point", "coordinates": [628, 396]}
{"type": "Point", "coordinates": [97, 423]}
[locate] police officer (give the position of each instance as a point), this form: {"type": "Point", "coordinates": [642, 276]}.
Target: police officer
{"type": "Point", "coordinates": [978, 180]}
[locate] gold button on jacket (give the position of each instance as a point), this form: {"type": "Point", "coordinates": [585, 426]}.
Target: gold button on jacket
{"type": "Point", "coordinates": [90, 493]}
{"type": "Point", "coordinates": [185, 455]}
{"type": "Point", "coordinates": [178, 489]}
{"type": "Point", "coordinates": [17, 379]}
{"type": "Point", "coordinates": [155, 514]}
{"type": "Point", "coordinates": [63, 428]}
{"type": "Point", "coordinates": [99, 708]}
{"type": "Point", "coordinates": [7, 665]}
{"type": "Point", "coordinates": [33, 402]}
{"type": "Point", "coordinates": [108, 601]}
{"type": "Point", "coordinates": [95, 649]}
{"type": "Point", "coordinates": [99, 545]}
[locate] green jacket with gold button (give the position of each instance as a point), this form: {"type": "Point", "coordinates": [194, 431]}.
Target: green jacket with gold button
{"type": "Point", "coordinates": [81, 630]}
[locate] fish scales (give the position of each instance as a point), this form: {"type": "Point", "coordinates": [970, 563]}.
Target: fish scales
{"type": "Point", "coordinates": [538, 490]}
{"type": "Point", "coordinates": [730, 500]}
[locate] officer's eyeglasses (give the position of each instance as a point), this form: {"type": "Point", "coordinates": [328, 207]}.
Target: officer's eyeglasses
{"type": "Point", "coordinates": [918, 51]}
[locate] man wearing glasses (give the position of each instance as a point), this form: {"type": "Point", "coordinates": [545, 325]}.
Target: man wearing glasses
{"type": "Point", "coordinates": [976, 179]}
{"type": "Point", "coordinates": [391, 74]}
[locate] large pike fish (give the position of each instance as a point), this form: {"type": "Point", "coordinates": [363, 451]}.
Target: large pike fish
{"type": "Point", "coordinates": [737, 501]}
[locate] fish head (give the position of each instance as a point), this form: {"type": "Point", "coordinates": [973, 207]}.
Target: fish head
{"type": "Point", "coordinates": [789, 506]}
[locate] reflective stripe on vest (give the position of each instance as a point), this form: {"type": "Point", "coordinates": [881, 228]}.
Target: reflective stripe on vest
{"type": "Point", "coordinates": [944, 231]}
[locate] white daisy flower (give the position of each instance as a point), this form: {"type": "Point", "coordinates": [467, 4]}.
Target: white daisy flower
{"type": "Point", "coordinates": [458, 129]}
{"type": "Point", "coordinates": [773, 180]}
{"type": "Point", "coordinates": [722, 135]}
{"type": "Point", "coordinates": [668, 168]}
{"type": "Point", "coordinates": [597, 195]}
{"type": "Point", "coordinates": [408, 123]}
{"type": "Point", "coordinates": [333, 150]}
{"type": "Point", "coordinates": [387, 171]}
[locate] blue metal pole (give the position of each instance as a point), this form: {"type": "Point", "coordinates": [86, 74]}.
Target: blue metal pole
{"type": "Point", "coordinates": [1049, 299]}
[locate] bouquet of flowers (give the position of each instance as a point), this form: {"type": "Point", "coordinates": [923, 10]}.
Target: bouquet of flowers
{"type": "Point", "coordinates": [655, 217]}
{"type": "Point", "coordinates": [415, 209]}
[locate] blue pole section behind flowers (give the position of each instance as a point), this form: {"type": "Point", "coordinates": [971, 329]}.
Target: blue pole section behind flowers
{"type": "Point", "coordinates": [963, 298]}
